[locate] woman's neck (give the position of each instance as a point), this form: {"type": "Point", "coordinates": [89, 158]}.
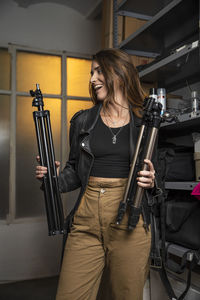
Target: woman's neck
{"type": "Point", "coordinates": [116, 114]}
{"type": "Point", "coordinates": [119, 108]}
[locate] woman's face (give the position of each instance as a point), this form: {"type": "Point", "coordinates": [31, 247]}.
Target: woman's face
{"type": "Point", "coordinates": [98, 81]}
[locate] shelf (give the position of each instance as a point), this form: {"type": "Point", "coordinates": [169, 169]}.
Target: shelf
{"type": "Point", "coordinates": [175, 23]}
{"type": "Point", "coordinates": [187, 123]}
{"type": "Point", "coordinates": [185, 185]}
{"type": "Point", "coordinates": [149, 8]}
{"type": "Point", "coordinates": [173, 71]}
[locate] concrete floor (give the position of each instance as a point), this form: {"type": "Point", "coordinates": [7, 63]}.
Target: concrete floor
{"type": "Point", "coordinates": [39, 289]}
{"type": "Point", "coordinates": [44, 289]}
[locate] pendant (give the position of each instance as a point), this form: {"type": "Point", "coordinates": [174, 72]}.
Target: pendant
{"type": "Point", "coordinates": [114, 139]}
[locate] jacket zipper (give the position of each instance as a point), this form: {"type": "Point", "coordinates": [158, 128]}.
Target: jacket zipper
{"type": "Point", "coordinates": [90, 164]}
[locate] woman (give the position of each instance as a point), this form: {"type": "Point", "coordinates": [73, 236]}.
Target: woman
{"type": "Point", "coordinates": [102, 143]}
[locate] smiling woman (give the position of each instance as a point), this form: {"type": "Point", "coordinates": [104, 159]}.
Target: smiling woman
{"type": "Point", "coordinates": [102, 140]}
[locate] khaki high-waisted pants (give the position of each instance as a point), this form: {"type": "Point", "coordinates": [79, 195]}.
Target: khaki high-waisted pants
{"type": "Point", "coordinates": [95, 241]}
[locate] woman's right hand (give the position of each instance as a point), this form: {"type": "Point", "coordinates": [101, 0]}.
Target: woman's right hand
{"type": "Point", "coordinates": [41, 170]}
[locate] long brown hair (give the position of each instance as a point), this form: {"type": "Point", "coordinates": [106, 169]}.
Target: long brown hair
{"type": "Point", "coordinates": [115, 62]}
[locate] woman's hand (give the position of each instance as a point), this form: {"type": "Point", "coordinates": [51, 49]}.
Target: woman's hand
{"type": "Point", "coordinates": [146, 179]}
{"type": "Point", "coordinates": [41, 170]}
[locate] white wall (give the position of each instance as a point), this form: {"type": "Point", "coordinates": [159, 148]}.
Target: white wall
{"type": "Point", "coordinates": [26, 251]}
{"type": "Point", "coordinates": [48, 26]}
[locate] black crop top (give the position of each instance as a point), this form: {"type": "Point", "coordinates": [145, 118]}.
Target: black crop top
{"type": "Point", "coordinates": [110, 160]}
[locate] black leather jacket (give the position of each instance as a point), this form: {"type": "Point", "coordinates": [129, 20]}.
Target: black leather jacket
{"type": "Point", "coordinates": [77, 169]}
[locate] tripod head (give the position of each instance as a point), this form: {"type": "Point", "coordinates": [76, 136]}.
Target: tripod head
{"type": "Point", "coordinates": [152, 112]}
{"type": "Point", "coordinates": [38, 97]}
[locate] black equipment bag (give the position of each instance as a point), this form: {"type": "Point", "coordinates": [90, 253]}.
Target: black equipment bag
{"type": "Point", "coordinates": [182, 167]}
{"type": "Point", "coordinates": [179, 220]}
{"type": "Point", "coordinates": [182, 227]}
{"type": "Point", "coordinates": [183, 222]}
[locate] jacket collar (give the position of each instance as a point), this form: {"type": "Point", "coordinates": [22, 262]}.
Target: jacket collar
{"type": "Point", "coordinates": [91, 118]}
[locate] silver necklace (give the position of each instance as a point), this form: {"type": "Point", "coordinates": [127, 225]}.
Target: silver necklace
{"type": "Point", "coordinates": [114, 135]}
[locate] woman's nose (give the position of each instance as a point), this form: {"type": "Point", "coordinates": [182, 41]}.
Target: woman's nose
{"type": "Point", "coordinates": [93, 78]}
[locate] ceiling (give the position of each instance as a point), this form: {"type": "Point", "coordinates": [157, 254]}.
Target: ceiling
{"type": "Point", "coordinates": [90, 9]}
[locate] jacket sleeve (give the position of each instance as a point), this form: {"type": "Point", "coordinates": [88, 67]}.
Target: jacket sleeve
{"type": "Point", "coordinates": [68, 179]}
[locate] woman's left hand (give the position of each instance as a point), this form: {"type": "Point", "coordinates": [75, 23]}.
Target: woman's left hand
{"type": "Point", "coordinates": [146, 179]}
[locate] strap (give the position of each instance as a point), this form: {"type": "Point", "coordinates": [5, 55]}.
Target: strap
{"type": "Point", "coordinates": [155, 255]}
{"type": "Point", "coordinates": [166, 282]}
{"type": "Point", "coordinates": [172, 265]}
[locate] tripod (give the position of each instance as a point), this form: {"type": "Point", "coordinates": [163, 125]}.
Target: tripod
{"type": "Point", "coordinates": [53, 202]}
{"type": "Point", "coordinates": [147, 136]}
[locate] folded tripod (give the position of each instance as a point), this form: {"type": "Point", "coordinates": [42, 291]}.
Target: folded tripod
{"type": "Point", "coordinates": [53, 201]}
{"type": "Point", "coordinates": [144, 149]}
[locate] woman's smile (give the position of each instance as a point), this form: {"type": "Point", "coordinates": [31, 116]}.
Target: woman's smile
{"type": "Point", "coordinates": [98, 81]}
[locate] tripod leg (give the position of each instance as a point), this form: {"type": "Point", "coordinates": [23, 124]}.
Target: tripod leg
{"type": "Point", "coordinates": [130, 183]}
{"type": "Point", "coordinates": [49, 175]}
{"type": "Point", "coordinates": [58, 200]}
{"type": "Point", "coordinates": [148, 155]}
{"type": "Point", "coordinates": [139, 192]}
{"type": "Point", "coordinates": [45, 182]}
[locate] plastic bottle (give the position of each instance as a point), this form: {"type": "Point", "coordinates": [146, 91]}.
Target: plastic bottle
{"type": "Point", "coordinates": [195, 101]}
{"type": "Point", "coordinates": [161, 92]}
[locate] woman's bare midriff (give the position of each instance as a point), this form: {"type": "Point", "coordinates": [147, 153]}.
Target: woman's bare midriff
{"type": "Point", "coordinates": [99, 179]}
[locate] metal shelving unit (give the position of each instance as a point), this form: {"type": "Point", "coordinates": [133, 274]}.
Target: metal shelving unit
{"type": "Point", "coordinates": [171, 34]}
{"type": "Point", "coordinates": [185, 124]}
{"type": "Point", "coordinates": [184, 185]}
{"type": "Point", "coordinates": [171, 37]}
{"type": "Point", "coordinates": [173, 70]}
{"type": "Point", "coordinates": [163, 30]}
{"type": "Point", "coordinates": [149, 9]}
{"type": "Point", "coordinates": [171, 25]}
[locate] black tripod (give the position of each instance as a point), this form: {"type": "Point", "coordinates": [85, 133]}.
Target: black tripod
{"type": "Point", "coordinates": [53, 202]}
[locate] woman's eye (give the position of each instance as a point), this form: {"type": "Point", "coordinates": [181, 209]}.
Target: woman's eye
{"type": "Point", "coordinates": [99, 71]}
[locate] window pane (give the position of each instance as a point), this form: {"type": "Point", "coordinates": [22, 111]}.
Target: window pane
{"type": "Point", "coordinates": [4, 153]}
{"type": "Point", "coordinates": [78, 76]}
{"type": "Point", "coordinates": [38, 68]}
{"type": "Point", "coordinates": [29, 197]}
{"type": "Point", "coordinates": [4, 69]}
{"type": "Point", "coordinates": [75, 105]}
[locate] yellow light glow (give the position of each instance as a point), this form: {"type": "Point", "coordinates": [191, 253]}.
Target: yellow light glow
{"type": "Point", "coordinates": [38, 68]}
{"type": "Point", "coordinates": [25, 125]}
{"type": "Point", "coordinates": [78, 76]}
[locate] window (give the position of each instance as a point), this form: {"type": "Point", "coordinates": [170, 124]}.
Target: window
{"type": "Point", "coordinates": [38, 68]}
{"type": "Point", "coordinates": [78, 76]}
{"type": "Point", "coordinates": [29, 199]}
{"type": "Point", "coordinates": [64, 82]}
